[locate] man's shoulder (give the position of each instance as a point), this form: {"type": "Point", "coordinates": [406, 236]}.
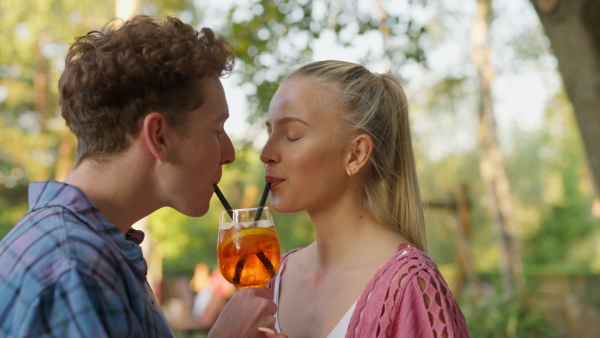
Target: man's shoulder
{"type": "Point", "coordinates": [48, 242]}
{"type": "Point", "coordinates": [46, 228]}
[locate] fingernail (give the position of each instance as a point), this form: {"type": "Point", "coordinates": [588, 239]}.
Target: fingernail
{"type": "Point", "coordinates": [266, 329]}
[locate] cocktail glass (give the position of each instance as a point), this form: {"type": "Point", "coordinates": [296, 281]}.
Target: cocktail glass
{"type": "Point", "coordinates": [248, 247]}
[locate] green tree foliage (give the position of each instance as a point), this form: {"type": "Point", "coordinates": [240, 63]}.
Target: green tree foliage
{"type": "Point", "coordinates": [271, 37]}
{"type": "Point", "coordinates": [551, 183]}
{"type": "Point", "coordinates": [515, 315]}
{"type": "Point", "coordinates": [566, 222]}
{"type": "Point", "coordinates": [34, 36]}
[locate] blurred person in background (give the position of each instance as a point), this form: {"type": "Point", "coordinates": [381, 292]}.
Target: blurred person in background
{"type": "Point", "coordinates": [201, 289]}
{"type": "Point", "coordinates": [211, 292]}
{"type": "Point", "coordinates": [146, 104]}
{"type": "Point", "coordinates": [211, 298]}
{"type": "Point", "coordinates": [340, 148]}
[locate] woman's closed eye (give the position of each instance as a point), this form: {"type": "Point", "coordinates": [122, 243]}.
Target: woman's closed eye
{"type": "Point", "coordinates": [292, 139]}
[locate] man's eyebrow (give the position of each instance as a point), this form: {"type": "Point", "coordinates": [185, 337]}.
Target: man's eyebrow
{"type": "Point", "coordinates": [284, 120]}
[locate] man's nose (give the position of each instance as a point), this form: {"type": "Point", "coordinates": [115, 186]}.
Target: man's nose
{"type": "Point", "coordinates": [228, 152]}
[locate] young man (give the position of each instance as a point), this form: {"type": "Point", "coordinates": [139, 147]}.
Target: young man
{"type": "Point", "coordinates": [147, 107]}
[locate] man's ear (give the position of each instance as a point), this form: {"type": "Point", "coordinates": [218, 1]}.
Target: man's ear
{"type": "Point", "coordinates": [153, 134]}
{"type": "Point", "coordinates": [359, 152]}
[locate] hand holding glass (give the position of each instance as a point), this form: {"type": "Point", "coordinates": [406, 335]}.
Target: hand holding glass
{"type": "Point", "coordinates": [248, 248]}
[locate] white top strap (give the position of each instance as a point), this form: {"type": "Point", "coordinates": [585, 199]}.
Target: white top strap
{"type": "Point", "coordinates": [340, 329]}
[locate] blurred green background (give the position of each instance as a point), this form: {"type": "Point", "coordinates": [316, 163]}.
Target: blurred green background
{"type": "Point", "coordinates": [530, 270]}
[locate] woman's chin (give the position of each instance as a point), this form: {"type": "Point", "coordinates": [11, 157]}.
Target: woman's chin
{"type": "Point", "coordinates": [282, 208]}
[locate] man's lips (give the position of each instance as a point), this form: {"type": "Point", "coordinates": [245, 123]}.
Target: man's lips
{"type": "Point", "coordinates": [275, 181]}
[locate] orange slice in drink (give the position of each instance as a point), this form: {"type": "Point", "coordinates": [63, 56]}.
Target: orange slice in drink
{"type": "Point", "coordinates": [248, 232]}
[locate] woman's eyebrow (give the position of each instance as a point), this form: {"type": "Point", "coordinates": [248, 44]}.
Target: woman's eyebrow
{"type": "Point", "coordinates": [284, 120]}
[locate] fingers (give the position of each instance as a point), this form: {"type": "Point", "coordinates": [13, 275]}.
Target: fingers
{"type": "Point", "coordinates": [258, 292]}
{"type": "Point", "coordinates": [248, 310]}
{"type": "Point", "coordinates": [268, 322]}
{"type": "Point", "coordinates": [269, 333]}
{"type": "Point", "coordinates": [261, 299]}
{"type": "Point", "coordinates": [277, 335]}
{"type": "Point", "coordinates": [267, 330]}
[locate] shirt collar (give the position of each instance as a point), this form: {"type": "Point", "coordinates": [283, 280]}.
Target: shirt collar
{"type": "Point", "coordinates": [57, 194]}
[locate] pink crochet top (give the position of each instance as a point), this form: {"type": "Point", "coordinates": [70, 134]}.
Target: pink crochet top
{"type": "Point", "coordinates": [407, 297]}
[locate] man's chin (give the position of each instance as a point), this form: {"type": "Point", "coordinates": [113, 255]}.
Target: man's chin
{"type": "Point", "coordinates": [197, 212]}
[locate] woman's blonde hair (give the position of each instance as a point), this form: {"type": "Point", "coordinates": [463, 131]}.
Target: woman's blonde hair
{"type": "Point", "coordinates": [375, 104]}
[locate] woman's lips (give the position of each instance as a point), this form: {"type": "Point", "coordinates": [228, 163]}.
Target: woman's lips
{"type": "Point", "coordinates": [275, 181]}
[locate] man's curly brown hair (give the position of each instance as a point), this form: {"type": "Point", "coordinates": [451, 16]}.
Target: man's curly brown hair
{"type": "Point", "coordinates": [117, 75]}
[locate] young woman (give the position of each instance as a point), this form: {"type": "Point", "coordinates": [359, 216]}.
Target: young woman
{"type": "Point", "coordinates": [340, 148]}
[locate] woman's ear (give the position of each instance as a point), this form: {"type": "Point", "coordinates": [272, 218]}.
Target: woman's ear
{"type": "Point", "coordinates": [360, 149]}
{"type": "Point", "coordinates": [153, 134]}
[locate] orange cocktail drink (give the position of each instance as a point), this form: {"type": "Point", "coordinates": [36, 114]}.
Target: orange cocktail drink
{"type": "Point", "coordinates": [248, 250]}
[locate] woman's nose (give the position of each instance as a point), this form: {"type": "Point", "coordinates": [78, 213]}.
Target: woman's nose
{"type": "Point", "coordinates": [268, 155]}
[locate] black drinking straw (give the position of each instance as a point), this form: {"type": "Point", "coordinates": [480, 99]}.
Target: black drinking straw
{"type": "Point", "coordinates": [260, 255]}
{"type": "Point", "coordinates": [263, 200]}
{"type": "Point", "coordinates": [223, 201]}
{"type": "Point", "coordinates": [238, 270]}
{"type": "Point", "coordinates": [240, 264]}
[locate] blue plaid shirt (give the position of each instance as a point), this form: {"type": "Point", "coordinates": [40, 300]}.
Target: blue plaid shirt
{"type": "Point", "coordinates": [66, 271]}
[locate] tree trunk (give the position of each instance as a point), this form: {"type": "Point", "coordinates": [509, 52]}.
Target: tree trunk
{"type": "Point", "coordinates": [573, 27]}
{"type": "Point", "coordinates": [491, 163]}
{"type": "Point", "coordinates": [385, 33]}
{"type": "Point", "coordinates": [40, 88]}
{"type": "Point", "coordinates": [40, 81]}
{"type": "Point", "coordinates": [464, 259]}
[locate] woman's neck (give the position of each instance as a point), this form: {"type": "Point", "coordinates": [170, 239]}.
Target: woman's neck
{"type": "Point", "coordinates": [346, 232]}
